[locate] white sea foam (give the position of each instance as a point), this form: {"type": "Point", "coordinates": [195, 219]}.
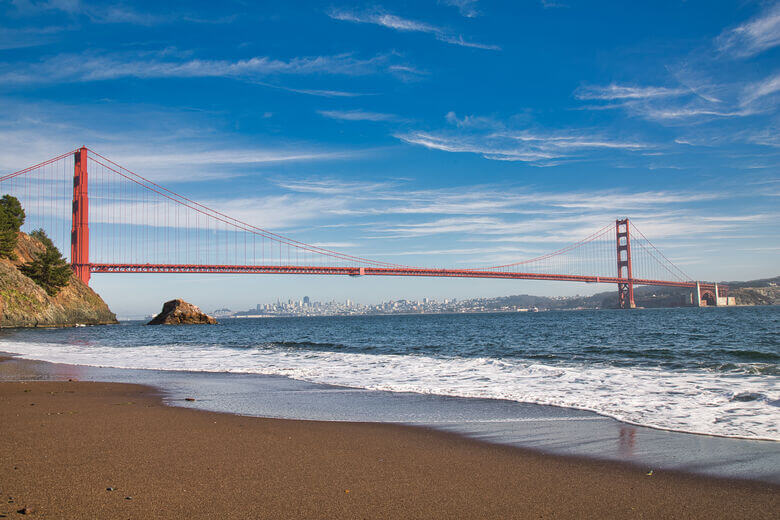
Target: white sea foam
{"type": "Point", "coordinates": [692, 400]}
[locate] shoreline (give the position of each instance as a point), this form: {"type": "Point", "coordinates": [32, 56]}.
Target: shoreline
{"type": "Point", "coordinates": [469, 313]}
{"type": "Point", "coordinates": [6, 356]}
{"type": "Point", "coordinates": [70, 441]}
{"type": "Point", "coordinates": [266, 316]}
{"type": "Point", "coordinates": [542, 429]}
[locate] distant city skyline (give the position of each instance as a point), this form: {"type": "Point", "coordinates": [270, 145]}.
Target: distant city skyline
{"type": "Point", "coordinates": [431, 133]}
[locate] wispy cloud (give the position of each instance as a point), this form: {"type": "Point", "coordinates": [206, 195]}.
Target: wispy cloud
{"type": "Point", "coordinates": [276, 212]}
{"type": "Point", "coordinates": [486, 147]}
{"type": "Point", "coordinates": [459, 40]}
{"type": "Point", "coordinates": [123, 14]}
{"type": "Point", "coordinates": [339, 245]}
{"type": "Point", "coordinates": [760, 89]}
{"type": "Point", "coordinates": [754, 36]}
{"type": "Point", "coordinates": [711, 85]}
{"type": "Point", "coordinates": [235, 156]}
{"type": "Point", "coordinates": [398, 23]}
{"type": "Point", "coordinates": [671, 105]}
{"type": "Point", "coordinates": [407, 72]}
{"type": "Point", "coordinates": [547, 4]}
{"type": "Point", "coordinates": [323, 93]}
{"type": "Point", "coordinates": [687, 112]}
{"type": "Point", "coordinates": [467, 8]}
{"type": "Point", "coordinates": [494, 140]}
{"type": "Point", "coordinates": [766, 137]}
{"type": "Point", "coordinates": [19, 38]}
{"type": "Point", "coordinates": [95, 67]}
{"type": "Point", "coordinates": [357, 115]}
{"type": "Point", "coordinates": [324, 186]}
{"type": "Point", "coordinates": [184, 141]}
{"type": "Point", "coordinates": [613, 91]}
{"type": "Point", "coordinates": [105, 13]}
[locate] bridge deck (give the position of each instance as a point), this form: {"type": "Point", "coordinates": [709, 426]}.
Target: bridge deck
{"type": "Point", "coordinates": [379, 271]}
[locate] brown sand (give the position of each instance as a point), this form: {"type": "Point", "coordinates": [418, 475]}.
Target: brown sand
{"type": "Point", "coordinates": [62, 444]}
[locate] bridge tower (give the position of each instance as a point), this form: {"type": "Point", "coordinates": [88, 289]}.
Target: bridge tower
{"type": "Point", "coordinates": [79, 234]}
{"type": "Point", "coordinates": [625, 289]}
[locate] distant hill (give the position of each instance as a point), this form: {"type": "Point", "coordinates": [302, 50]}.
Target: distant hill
{"type": "Point", "coordinates": [753, 292]}
{"type": "Point", "coordinates": [764, 282]}
{"type": "Point", "coordinates": [756, 292]}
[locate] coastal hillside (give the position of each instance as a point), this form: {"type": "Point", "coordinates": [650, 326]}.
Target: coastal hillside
{"type": "Point", "coordinates": [23, 303]}
{"type": "Point", "coordinates": [753, 292]}
{"type": "Point", "coordinates": [756, 292]}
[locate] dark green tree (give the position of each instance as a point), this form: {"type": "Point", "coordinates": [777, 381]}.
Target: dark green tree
{"type": "Point", "coordinates": [11, 220]}
{"type": "Point", "coordinates": [49, 269]}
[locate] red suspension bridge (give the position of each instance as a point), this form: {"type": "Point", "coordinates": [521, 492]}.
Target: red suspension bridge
{"type": "Point", "coordinates": [116, 221]}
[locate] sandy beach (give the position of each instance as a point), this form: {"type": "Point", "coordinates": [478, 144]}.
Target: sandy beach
{"type": "Point", "coordinates": [63, 445]}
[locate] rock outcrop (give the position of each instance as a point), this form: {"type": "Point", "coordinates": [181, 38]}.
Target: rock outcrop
{"type": "Point", "coordinates": [179, 312]}
{"type": "Point", "coordinates": [24, 304]}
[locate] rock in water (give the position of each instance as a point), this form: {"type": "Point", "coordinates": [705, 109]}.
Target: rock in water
{"type": "Point", "coordinates": [179, 312]}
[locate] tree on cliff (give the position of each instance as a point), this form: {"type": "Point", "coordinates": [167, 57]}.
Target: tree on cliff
{"type": "Point", "coordinates": [11, 220]}
{"type": "Point", "coordinates": [49, 269]}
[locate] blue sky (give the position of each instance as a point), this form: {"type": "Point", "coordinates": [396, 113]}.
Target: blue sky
{"type": "Point", "coordinates": [451, 132]}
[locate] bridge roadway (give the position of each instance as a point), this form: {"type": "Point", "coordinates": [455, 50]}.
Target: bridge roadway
{"type": "Point", "coordinates": [381, 271]}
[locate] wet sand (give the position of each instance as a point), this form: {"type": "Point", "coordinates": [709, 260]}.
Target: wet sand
{"type": "Point", "coordinates": [63, 444]}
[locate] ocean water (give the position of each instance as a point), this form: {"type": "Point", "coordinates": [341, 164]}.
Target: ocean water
{"type": "Point", "coordinates": [711, 371]}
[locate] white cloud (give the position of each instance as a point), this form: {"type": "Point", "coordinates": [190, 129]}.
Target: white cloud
{"type": "Point", "coordinates": [760, 89]}
{"type": "Point", "coordinates": [471, 121]}
{"type": "Point", "coordinates": [613, 92]}
{"type": "Point", "coordinates": [766, 137]}
{"type": "Point", "coordinates": [77, 68]}
{"type": "Point", "coordinates": [547, 4]}
{"type": "Point", "coordinates": [327, 186]}
{"type": "Point", "coordinates": [458, 40]}
{"type": "Point", "coordinates": [754, 36]}
{"type": "Point", "coordinates": [672, 105]}
{"type": "Point", "coordinates": [711, 88]}
{"type": "Point", "coordinates": [398, 23]}
{"type": "Point", "coordinates": [235, 156]}
{"type": "Point", "coordinates": [18, 38]}
{"type": "Point", "coordinates": [330, 245]}
{"type": "Point", "coordinates": [687, 112]}
{"type": "Point", "coordinates": [493, 140]}
{"type": "Point", "coordinates": [324, 93]}
{"type": "Point", "coordinates": [102, 13]}
{"type": "Point", "coordinates": [477, 145]}
{"type": "Point", "coordinates": [406, 69]}
{"type": "Point", "coordinates": [33, 132]}
{"type": "Point", "coordinates": [277, 212]}
{"type": "Point", "coordinates": [467, 8]}
{"type": "Point", "coordinates": [123, 14]}
{"type": "Point", "coordinates": [563, 142]}
{"type": "Point", "coordinates": [357, 115]}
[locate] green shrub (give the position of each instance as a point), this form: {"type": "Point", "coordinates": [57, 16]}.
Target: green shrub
{"type": "Point", "coordinates": [49, 269]}
{"type": "Point", "coordinates": [11, 220]}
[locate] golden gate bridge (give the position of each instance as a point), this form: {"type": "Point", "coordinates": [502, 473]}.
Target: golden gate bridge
{"type": "Point", "coordinates": [113, 220]}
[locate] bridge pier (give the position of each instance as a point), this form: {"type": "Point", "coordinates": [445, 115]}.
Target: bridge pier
{"type": "Point", "coordinates": [625, 288]}
{"type": "Point", "coordinates": [79, 234]}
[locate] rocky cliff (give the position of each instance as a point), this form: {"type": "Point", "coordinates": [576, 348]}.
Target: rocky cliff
{"type": "Point", "coordinates": [25, 304]}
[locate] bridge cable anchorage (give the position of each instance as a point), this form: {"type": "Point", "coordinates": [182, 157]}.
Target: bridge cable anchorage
{"type": "Point", "coordinates": [111, 219]}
